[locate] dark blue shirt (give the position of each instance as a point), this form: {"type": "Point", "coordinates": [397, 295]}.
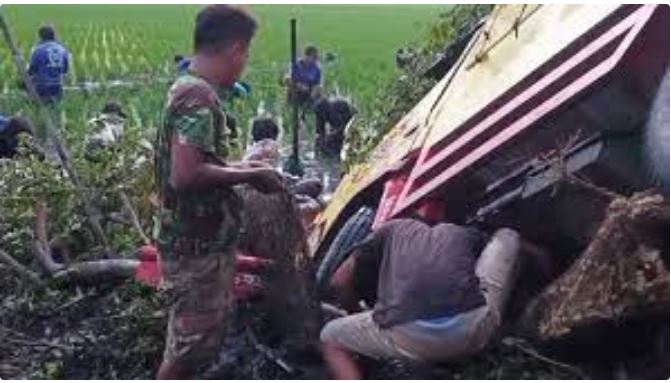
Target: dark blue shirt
{"type": "Point", "coordinates": [183, 65]}
{"type": "Point", "coordinates": [307, 73]}
{"type": "Point", "coordinates": [49, 61]}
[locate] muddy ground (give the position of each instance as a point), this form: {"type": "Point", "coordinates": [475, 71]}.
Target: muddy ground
{"type": "Point", "coordinates": [116, 332]}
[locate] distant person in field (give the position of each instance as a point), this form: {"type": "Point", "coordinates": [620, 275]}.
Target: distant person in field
{"type": "Point", "coordinates": [264, 146]}
{"type": "Point", "coordinates": [199, 213]}
{"type": "Point", "coordinates": [182, 63]}
{"type": "Point", "coordinates": [332, 115]}
{"type": "Point", "coordinates": [305, 79]}
{"type": "Point", "coordinates": [49, 62]}
{"type": "Point", "coordinates": [11, 129]}
{"type": "Point", "coordinates": [106, 127]}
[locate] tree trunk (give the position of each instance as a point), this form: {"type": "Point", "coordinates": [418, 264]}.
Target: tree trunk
{"type": "Point", "coordinates": [622, 274]}
{"type": "Point", "coordinates": [272, 228]}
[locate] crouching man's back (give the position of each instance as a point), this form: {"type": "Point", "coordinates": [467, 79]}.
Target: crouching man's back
{"type": "Point", "coordinates": [436, 300]}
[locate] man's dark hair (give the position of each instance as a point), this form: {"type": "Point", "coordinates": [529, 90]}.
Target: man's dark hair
{"type": "Point", "coordinates": [311, 50]}
{"type": "Point", "coordinates": [264, 128]}
{"type": "Point", "coordinates": [46, 33]}
{"type": "Point", "coordinates": [178, 58]}
{"type": "Point", "coordinates": [221, 24]}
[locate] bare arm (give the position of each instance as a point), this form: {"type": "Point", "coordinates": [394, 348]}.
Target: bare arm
{"type": "Point", "coordinates": [250, 164]}
{"type": "Point", "coordinates": [189, 170]}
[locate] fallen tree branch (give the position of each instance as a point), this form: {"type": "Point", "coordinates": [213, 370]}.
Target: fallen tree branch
{"type": "Point", "coordinates": [41, 222]}
{"type": "Point", "coordinates": [125, 316]}
{"type": "Point", "coordinates": [32, 343]}
{"type": "Point", "coordinates": [75, 301]}
{"type": "Point", "coordinates": [269, 353]}
{"type": "Point", "coordinates": [89, 271]}
{"type": "Point", "coordinates": [92, 271]}
{"type": "Point", "coordinates": [22, 270]}
{"type": "Point", "coordinates": [45, 259]}
{"type": "Point", "coordinates": [41, 244]}
{"type": "Point", "coordinates": [78, 272]}
{"type": "Point", "coordinates": [519, 344]}
{"type": "Point", "coordinates": [133, 217]}
{"type": "Point", "coordinates": [38, 343]}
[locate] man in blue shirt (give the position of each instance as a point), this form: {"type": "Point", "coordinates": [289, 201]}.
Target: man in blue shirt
{"type": "Point", "coordinates": [49, 61]}
{"type": "Point", "coordinates": [305, 79]}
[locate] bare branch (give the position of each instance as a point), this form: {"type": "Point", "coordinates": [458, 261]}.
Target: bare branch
{"type": "Point", "coordinates": [32, 343]}
{"type": "Point", "coordinates": [133, 217]}
{"type": "Point", "coordinates": [22, 270]}
{"type": "Point", "coordinates": [41, 222]}
{"type": "Point", "coordinates": [45, 259]}
{"type": "Point", "coordinates": [522, 346]}
{"type": "Point", "coordinates": [96, 271]}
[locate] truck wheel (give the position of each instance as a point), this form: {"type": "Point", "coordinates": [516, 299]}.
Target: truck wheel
{"type": "Point", "coordinates": [353, 231]}
{"type": "Point", "coordinates": [656, 144]}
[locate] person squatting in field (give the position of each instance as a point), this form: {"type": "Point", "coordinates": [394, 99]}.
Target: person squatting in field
{"type": "Point", "coordinates": [11, 128]}
{"type": "Point", "coordinates": [332, 115]}
{"type": "Point", "coordinates": [304, 82]}
{"type": "Point", "coordinates": [49, 62]}
{"type": "Point", "coordinates": [106, 127]}
{"type": "Point", "coordinates": [265, 148]}
{"type": "Point", "coordinates": [199, 215]}
{"type": "Point", "coordinates": [436, 301]}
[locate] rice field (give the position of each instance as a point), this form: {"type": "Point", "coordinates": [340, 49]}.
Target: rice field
{"type": "Point", "coordinates": [125, 53]}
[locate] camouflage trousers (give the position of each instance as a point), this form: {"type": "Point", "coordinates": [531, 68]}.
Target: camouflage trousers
{"type": "Point", "coordinates": [199, 289]}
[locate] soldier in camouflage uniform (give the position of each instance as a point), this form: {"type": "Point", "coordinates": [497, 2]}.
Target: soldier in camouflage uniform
{"type": "Point", "coordinates": [199, 216]}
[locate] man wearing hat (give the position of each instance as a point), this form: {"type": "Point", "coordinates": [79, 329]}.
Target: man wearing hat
{"type": "Point", "coordinates": [107, 126]}
{"type": "Point", "coordinates": [10, 130]}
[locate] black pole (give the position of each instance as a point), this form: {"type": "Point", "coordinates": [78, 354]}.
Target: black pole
{"type": "Point", "coordinates": [295, 105]}
{"type": "Point", "coordinates": [293, 165]}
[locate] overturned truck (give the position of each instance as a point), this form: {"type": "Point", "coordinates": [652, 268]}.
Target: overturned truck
{"type": "Point", "coordinates": [553, 120]}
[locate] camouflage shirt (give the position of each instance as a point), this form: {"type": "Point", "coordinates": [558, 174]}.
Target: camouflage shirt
{"type": "Point", "coordinates": [203, 221]}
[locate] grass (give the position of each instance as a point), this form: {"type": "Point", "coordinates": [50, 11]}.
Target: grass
{"type": "Point", "coordinates": [111, 42]}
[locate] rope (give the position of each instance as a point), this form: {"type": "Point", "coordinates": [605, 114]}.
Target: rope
{"type": "Point", "coordinates": [453, 73]}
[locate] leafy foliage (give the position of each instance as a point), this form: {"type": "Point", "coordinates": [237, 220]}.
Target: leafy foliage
{"type": "Point", "coordinates": [126, 167]}
{"type": "Point", "coordinates": [397, 98]}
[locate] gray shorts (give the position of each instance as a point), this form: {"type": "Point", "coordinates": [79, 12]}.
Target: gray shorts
{"type": "Point", "coordinates": [360, 334]}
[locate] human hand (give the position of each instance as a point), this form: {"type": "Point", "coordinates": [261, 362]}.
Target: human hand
{"type": "Point", "coordinates": [266, 180]}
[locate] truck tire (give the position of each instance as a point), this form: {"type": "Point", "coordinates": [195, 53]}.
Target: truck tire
{"type": "Point", "coordinates": [656, 141]}
{"type": "Point", "coordinates": [353, 231]}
